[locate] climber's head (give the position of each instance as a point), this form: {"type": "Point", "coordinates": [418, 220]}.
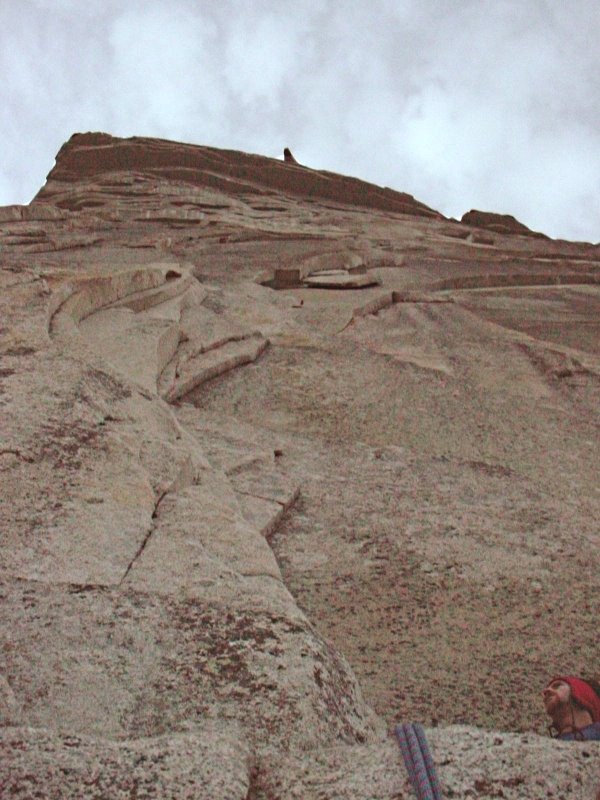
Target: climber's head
{"type": "Point", "coordinates": [556, 695]}
{"type": "Point", "coordinates": [571, 702]}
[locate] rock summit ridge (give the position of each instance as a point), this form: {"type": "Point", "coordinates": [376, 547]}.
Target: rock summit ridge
{"type": "Point", "coordinates": [96, 156]}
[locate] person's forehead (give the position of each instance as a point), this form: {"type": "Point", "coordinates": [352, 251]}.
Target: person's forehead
{"type": "Point", "coordinates": [557, 683]}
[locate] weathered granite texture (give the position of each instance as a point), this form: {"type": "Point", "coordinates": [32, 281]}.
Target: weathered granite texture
{"type": "Point", "coordinates": [243, 531]}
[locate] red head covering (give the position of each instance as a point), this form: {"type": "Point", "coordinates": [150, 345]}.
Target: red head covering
{"type": "Point", "coordinates": [583, 693]}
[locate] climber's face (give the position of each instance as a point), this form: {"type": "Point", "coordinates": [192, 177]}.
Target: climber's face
{"type": "Point", "coordinates": [555, 695]}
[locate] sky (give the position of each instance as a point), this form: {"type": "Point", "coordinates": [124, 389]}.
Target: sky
{"type": "Point", "coordinates": [488, 104]}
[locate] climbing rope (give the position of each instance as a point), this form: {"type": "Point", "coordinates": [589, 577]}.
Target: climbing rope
{"type": "Point", "coordinates": [418, 761]}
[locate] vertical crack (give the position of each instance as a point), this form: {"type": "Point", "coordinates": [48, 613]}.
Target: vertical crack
{"type": "Point", "coordinates": [146, 538]}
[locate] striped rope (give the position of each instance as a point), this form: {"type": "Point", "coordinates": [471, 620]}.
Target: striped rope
{"type": "Point", "coordinates": [418, 761]}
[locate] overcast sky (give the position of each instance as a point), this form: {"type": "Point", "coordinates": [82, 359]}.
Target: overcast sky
{"type": "Point", "coordinates": [489, 104]}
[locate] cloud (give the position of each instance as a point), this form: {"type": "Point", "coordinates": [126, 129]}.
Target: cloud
{"type": "Point", "coordinates": [164, 75]}
{"type": "Point", "coordinates": [487, 103]}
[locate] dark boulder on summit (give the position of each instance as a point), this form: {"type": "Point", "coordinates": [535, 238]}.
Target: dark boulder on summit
{"type": "Point", "coordinates": [499, 223]}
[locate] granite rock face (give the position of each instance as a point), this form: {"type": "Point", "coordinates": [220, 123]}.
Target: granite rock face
{"type": "Point", "coordinates": [245, 530]}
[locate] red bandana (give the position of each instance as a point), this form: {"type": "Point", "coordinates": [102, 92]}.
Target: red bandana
{"type": "Point", "coordinates": [583, 693]}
